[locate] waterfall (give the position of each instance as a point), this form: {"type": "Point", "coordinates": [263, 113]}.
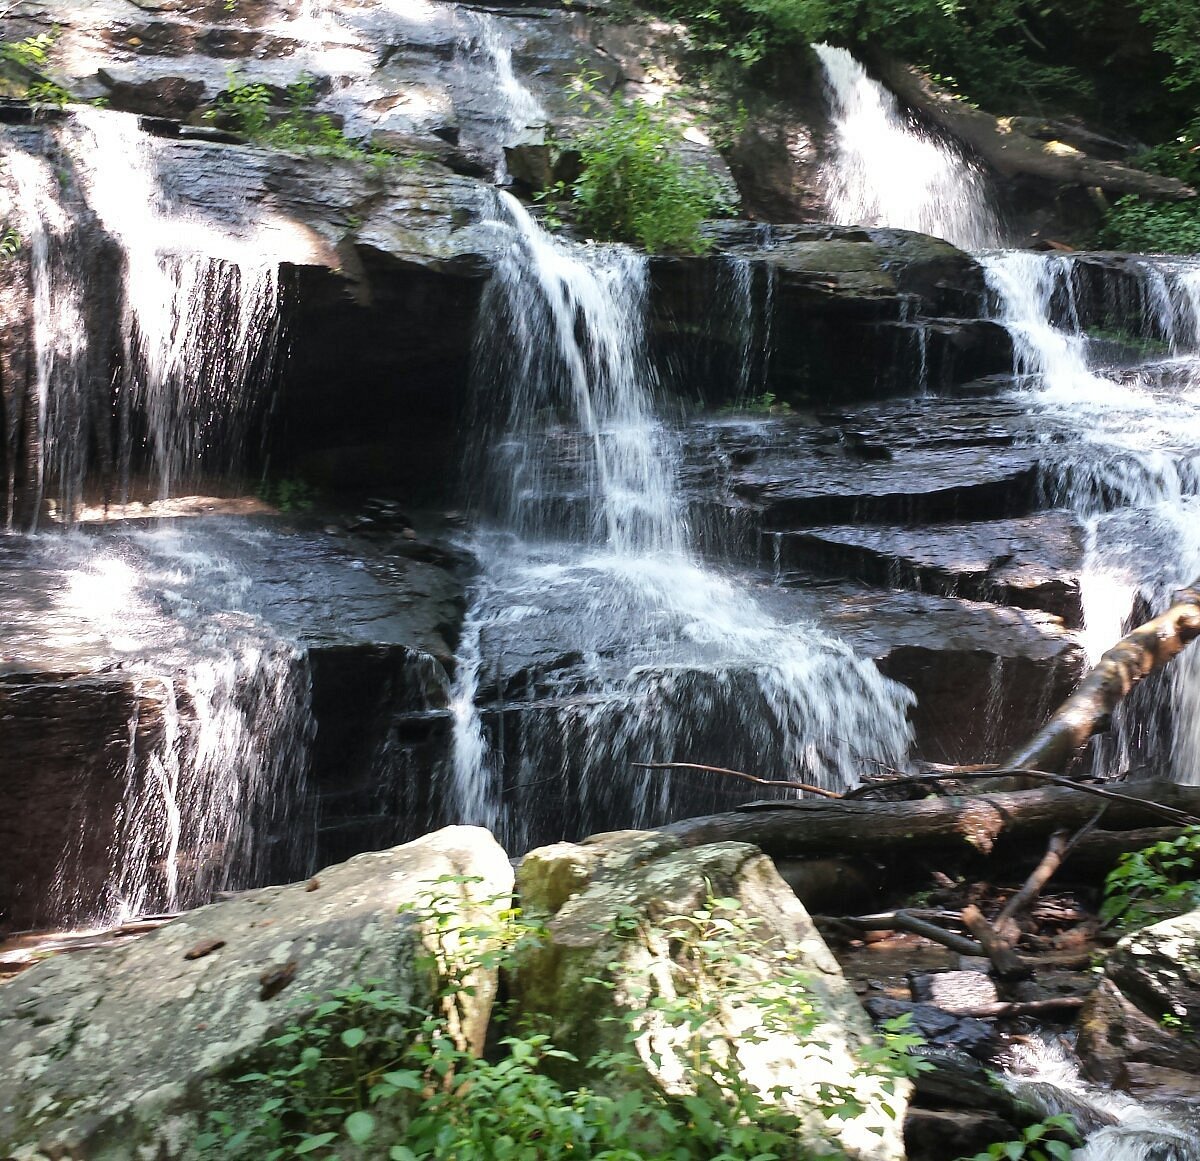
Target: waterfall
{"type": "Point", "coordinates": [201, 311]}
{"type": "Point", "coordinates": [648, 654]}
{"type": "Point", "coordinates": [218, 737]}
{"type": "Point", "coordinates": [62, 419]}
{"type": "Point", "coordinates": [1121, 439]}
{"type": "Point", "coordinates": [886, 170]}
{"type": "Point", "coordinates": [517, 115]}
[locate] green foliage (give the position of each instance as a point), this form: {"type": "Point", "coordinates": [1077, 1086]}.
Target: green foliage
{"type": "Point", "coordinates": [768, 403]}
{"type": "Point", "coordinates": [1048, 1140]}
{"type": "Point", "coordinates": [289, 494]}
{"type": "Point", "coordinates": [10, 243]}
{"type": "Point", "coordinates": [1134, 223]}
{"type": "Point", "coordinates": [370, 1068]}
{"type": "Point", "coordinates": [633, 185]}
{"type": "Point", "coordinates": [47, 93]}
{"type": "Point", "coordinates": [32, 53]}
{"type": "Point", "coordinates": [1175, 26]}
{"type": "Point", "coordinates": [248, 107]}
{"type": "Point", "coordinates": [1156, 882]}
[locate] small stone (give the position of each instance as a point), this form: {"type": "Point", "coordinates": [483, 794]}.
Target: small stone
{"type": "Point", "coordinates": [313, 885]}
{"type": "Point", "coordinates": [275, 979]}
{"type": "Point", "coordinates": [203, 948]}
{"type": "Point", "coordinates": [961, 989]}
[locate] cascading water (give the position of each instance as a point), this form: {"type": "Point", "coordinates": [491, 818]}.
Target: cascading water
{"type": "Point", "coordinates": [1129, 467]}
{"type": "Point", "coordinates": [200, 310]}
{"type": "Point", "coordinates": [220, 728]}
{"type": "Point", "coordinates": [1045, 1078]}
{"type": "Point", "coordinates": [888, 171]}
{"type": "Point", "coordinates": [518, 115]}
{"type": "Point", "coordinates": [639, 652]}
{"type": "Point", "coordinates": [59, 339]}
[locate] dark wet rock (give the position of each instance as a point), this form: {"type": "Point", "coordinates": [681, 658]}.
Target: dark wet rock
{"type": "Point", "coordinates": [927, 486]}
{"type": "Point", "coordinates": [124, 1049]}
{"type": "Point", "coordinates": [1031, 562]}
{"type": "Point", "coordinates": [1115, 1033]}
{"type": "Point", "coordinates": [938, 1027]}
{"type": "Point", "coordinates": [950, 1134]}
{"type": "Point", "coordinates": [982, 674]}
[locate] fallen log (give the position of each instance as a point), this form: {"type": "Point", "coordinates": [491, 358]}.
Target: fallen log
{"type": "Point", "coordinates": [1012, 153]}
{"type": "Point", "coordinates": [955, 825]}
{"type": "Point", "coordinates": [1087, 711]}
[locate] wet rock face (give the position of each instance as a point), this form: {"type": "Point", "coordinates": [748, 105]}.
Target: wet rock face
{"type": "Point", "coordinates": [124, 1049]}
{"type": "Point", "coordinates": [82, 697]}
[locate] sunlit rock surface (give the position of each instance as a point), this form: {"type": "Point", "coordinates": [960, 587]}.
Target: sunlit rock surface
{"type": "Point", "coordinates": [116, 1051]}
{"type": "Point", "coordinates": [608, 905]}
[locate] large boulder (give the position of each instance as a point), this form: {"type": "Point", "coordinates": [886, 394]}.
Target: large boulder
{"type": "Point", "coordinates": [118, 1052]}
{"type": "Point", "coordinates": [618, 909]}
{"type": "Point", "coordinates": [1136, 1029]}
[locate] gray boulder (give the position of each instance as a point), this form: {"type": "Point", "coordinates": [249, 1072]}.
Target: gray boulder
{"type": "Point", "coordinates": [613, 905]}
{"type": "Point", "coordinates": [118, 1052]}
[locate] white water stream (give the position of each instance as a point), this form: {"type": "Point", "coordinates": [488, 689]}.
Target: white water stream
{"type": "Point", "coordinates": [586, 551]}
{"type": "Point", "coordinates": [200, 308]}
{"type": "Point", "coordinates": [1130, 465]}
{"type": "Point", "coordinates": [888, 171]}
{"type": "Point", "coordinates": [220, 726]}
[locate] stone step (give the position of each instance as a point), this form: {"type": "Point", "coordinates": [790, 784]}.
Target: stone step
{"type": "Point", "coordinates": [1032, 562]}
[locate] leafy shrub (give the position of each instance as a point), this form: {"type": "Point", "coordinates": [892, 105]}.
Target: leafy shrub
{"type": "Point", "coordinates": [633, 185]}
{"type": "Point", "coordinates": [1048, 1140]}
{"type": "Point", "coordinates": [1152, 227]}
{"type": "Point", "coordinates": [1156, 882]}
{"type": "Point", "coordinates": [32, 53]}
{"type": "Point", "coordinates": [369, 1068]}
{"type": "Point", "coordinates": [247, 107]}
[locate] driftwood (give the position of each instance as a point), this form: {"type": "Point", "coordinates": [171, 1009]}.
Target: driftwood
{"type": "Point", "coordinates": [1010, 152]}
{"type": "Point", "coordinates": [969, 825]}
{"type": "Point", "coordinates": [1087, 711]}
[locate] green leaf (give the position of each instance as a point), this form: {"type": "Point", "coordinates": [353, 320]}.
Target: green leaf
{"type": "Point", "coordinates": [360, 1127]}
{"type": "Point", "coordinates": [315, 1142]}
{"type": "Point", "coordinates": [353, 1037]}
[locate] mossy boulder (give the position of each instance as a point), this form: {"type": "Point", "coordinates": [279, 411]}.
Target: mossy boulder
{"type": "Point", "coordinates": [619, 908]}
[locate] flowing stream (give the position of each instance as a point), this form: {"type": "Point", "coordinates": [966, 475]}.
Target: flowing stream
{"type": "Point", "coordinates": [607, 639]}
{"type": "Point", "coordinates": [1118, 368]}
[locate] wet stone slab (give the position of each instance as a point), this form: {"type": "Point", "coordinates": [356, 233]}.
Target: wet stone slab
{"type": "Point", "coordinates": [1032, 562]}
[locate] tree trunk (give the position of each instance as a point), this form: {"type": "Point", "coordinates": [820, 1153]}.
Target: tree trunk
{"type": "Point", "coordinates": [967, 826]}
{"type": "Point", "coordinates": [1088, 709]}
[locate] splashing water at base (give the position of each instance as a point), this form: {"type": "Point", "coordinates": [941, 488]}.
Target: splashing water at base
{"type": "Point", "coordinates": [587, 556]}
{"type": "Point", "coordinates": [1115, 1127]}
{"type": "Point", "coordinates": [887, 171]}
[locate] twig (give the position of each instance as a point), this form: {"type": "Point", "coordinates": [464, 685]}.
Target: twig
{"type": "Point", "coordinates": [995, 947]}
{"type": "Point", "coordinates": [1006, 925]}
{"type": "Point", "coordinates": [737, 774]}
